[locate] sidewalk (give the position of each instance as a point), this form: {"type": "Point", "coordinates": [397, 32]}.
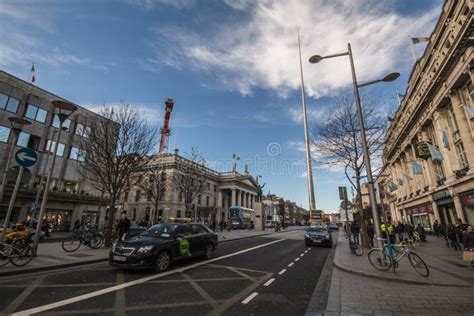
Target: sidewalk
{"type": "Point", "coordinates": [52, 256]}
{"type": "Point", "coordinates": [356, 288]}
{"type": "Point", "coordinates": [445, 264]}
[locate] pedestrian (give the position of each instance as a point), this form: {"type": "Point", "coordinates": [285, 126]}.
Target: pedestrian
{"type": "Point", "coordinates": [468, 243]}
{"type": "Point", "coordinates": [421, 232]}
{"type": "Point", "coordinates": [400, 231]}
{"type": "Point", "coordinates": [370, 234]}
{"type": "Point", "coordinates": [391, 233]}
{"type": "Point", "coordinates": [443, 231]}
{"type": "Point", "coordinates": [221, 225]}
{"type": "Point", "coordinates": [453, 238]}
{"type": "Point", "coordinates": [409, 230]}
{"type": "Point", "coordinates": [45, 227]}
{"type": "Point", "coordinates": [355, 230]}
{"type": "Point", "coordinates": [383, 230]}
{"type": "Point", "coordinates": [123, 226]}
{"type": "Point", "coordinates": [436, 228]}
{"type": "Point", "coordinates": [229, 225]}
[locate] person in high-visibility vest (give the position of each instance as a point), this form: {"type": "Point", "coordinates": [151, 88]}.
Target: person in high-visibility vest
{"type": "Point", "coordinates": [391, 233]}
{"type": "Point", "coordinates": [383, 230]}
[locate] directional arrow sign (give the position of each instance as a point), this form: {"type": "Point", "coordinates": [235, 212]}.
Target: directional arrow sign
{"type": "Point", "coordinates": [26, 157]}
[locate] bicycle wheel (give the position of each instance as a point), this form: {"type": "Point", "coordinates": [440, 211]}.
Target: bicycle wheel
{"type": "Point", "coordinates": [418, 264]}
{"type": "Point", "coordinates": [22, 254]}
{"type": "Point", "coordinates": [71, 243]}
{"type": "Point", "coordinates": [96, 241]}
{"type": "Point", "coordinates": [379, 260]}
{"type": "Point", "coordinates": [357, 250]}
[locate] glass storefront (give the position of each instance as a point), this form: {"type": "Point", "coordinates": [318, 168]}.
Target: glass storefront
{"type": "Point", "coordinates": [60, 219]}
{"type": "Point", "coordinates": [467, 201]}
{"type": "Point", "coordinates": [422, 214]}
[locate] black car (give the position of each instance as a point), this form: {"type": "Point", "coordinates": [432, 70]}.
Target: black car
{"type": "Point", "coordinates": [161, 244]}
{"type": "Point", "coordinates": [318, 235]}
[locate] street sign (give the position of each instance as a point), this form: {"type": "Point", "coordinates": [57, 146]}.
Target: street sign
{"type": "Point", "coordinates": [346, 205]}
{"type": "Point", "coordinates": [26, 157]}
{"type": "Point", "coordinates": [342, 193]}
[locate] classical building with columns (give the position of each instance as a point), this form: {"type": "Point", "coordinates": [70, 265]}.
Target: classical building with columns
{"type": "Point", "coordinates": [222, 190]}
{"type": "Point", "coordinates": [429, 153]}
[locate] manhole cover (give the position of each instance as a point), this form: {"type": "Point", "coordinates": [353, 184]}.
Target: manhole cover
{"type": "Point", "coordinates": [80, 255]}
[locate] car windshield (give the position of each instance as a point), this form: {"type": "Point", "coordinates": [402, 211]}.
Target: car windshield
{"type": "Point", "coordinates": [316, 229]}
{"type": "Point", "coordinates": [160, 230]}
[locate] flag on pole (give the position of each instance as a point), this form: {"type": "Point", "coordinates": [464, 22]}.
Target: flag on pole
{"type": "Point", "coordinates": [407, 176]}
{"type": "Point", "coordinates": [418, 40]}
{"type": "Point", "coordinates": [389, 118]}
{"type": "Point", "coordinates": [417, 168]}
{"type": "Point", "coordinates": [435, 153]}
{"type": "Point", "coordinates": [400, 182]}
{"type": "Point", "coordinates": [33, 75]}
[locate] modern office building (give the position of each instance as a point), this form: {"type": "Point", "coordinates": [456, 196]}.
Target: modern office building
{"type": "Point", "coordinates": [429, 155]}
{"type": "Point", "coordinates": [70, 197]}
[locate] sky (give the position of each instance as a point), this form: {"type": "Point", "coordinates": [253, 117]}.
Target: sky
{"type": "Point", "coordinates": [231, 67]}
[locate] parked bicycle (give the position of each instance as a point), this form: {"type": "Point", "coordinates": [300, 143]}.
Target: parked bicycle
{"type": "Point", "coordinates": [87, 236]}
{"type": "Point", "coordinates": [391, 254]}
{"type": "Point", "coordinates": [17, 251]}
{"type": "Point", "coordinates": [356, 249]}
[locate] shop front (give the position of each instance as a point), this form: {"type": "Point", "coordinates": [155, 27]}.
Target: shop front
{"type": "Point", "coordinates": [445, 203]}
{"type": "Point", "coordinates": [467, 202]}
{"type": "Point", "coordinates": [59, 219]}
{"type": "Point", "coordinates": [422, 214]}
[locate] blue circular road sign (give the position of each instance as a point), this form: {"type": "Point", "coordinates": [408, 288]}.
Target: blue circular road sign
{"type": "Point", "coordinates": [26, 157]}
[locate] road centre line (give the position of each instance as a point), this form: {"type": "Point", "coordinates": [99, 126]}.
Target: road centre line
{"type": "Point", "coordinates": [291, 264]}
{"type": "Point", "coordinates": [86, 296]}
{"type": "Point", "coordinates": [297, 259]}
{"type": "Point", "coordinates": [249, 298]}
{"type": "Point", "coordinates": [269, 282]}
{"type": "Point", "coordinates": [282, 271]}
{"type": "Point", "coordinates": [302, 255]}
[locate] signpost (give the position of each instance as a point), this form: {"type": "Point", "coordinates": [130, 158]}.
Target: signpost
{"type": "Point", "coordinates": [25, 157]}
{"type": "Point", "coordinates": [343, 197]}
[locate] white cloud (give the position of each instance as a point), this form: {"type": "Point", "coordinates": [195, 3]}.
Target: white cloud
{"type": "Point", "coordinates": [153, 4]}
{"type": "Point", "coordinates": [153, 114]}
{"type": "Point", "coordinates": [262, 51]}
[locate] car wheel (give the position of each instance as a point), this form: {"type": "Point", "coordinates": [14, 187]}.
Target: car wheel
{"type": "Point", "coordinates": [209, 253]}
{"type": "Point", "coordinates": [163, 261]}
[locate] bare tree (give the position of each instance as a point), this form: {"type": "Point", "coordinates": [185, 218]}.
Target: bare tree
{"type": "Point", "coordinates": [116, 147]}
{"type": "Point", "coordinates": [189, 178]}
{"type": "Point", "coordinates": [154, 183]}
{"type": "Point", "coordinates": [338, 143]}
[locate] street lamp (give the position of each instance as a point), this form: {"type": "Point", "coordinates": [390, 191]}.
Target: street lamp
{"type": "Point", "coordinates": [17, 124]}
{"type": "Point", "coordinates": [64, 110]}
{"type": "Point", "coordinates": [389, 78]}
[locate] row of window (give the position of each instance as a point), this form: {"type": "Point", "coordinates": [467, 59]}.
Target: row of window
{"type": "Point", "coordinates": [32, 141]}
{"type": "Point", "coordinates": [38, 114]}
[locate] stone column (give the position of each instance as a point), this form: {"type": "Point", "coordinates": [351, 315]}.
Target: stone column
{"type": "Point", "coordinates": [440, 124]}
{"type": "Point", "coordinates": [233, 199]}
{"type": "Point", "coordinates": [219, 205]}
{"type": "Point", "coordinates": [251, 200]}
{"type": "Point", "coordinates": [464, 126]}
{"type": "Point", "coordinates": [434, 206]}
{"type": "Point", "coordinates": [458, 207]}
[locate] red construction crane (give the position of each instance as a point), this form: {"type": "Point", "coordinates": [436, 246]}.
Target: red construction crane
{"type": "Point", "coordinates": [165, 130]}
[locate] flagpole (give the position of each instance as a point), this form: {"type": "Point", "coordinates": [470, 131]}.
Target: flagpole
{"type": "Point", "coordinates": [412, 50]}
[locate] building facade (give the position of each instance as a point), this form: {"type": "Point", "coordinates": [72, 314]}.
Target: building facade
{"type": "Point", "coordinates": [429, 154]}
{"type": "Point", "coordinates": [70, 197]}
{"type": "Point", "coordinates": [222, 190]}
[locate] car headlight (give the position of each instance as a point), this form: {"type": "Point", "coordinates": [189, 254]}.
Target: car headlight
{"type": "Point", "coordinates": [307, 235]}
{"type": "Point", "coordinates": [326, 237]}
{"type": "Point", "coordinates": [144, 249]}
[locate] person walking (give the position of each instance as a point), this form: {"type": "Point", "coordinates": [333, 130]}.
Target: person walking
{"type": "Point", "coordinates": [355, 230]}
{"type": "Point", "coordinates": [443, 231]}
{"type": "Point", "coordinates": [468, 243]}
{"type": "Point", "coordinates": [436, 228]}
{"type": "Point", "coordinates": [421, 232]}
{"type": "Point", "coordinates": [400, 231]}
{"type": "Point", "coordinates": [409, 231]}
{"type": "Point", "coordinates": [123, 226]}
{"type": "Point", "coordinates": [221, 225]}
{"type": "Point", "coordinates": [391, 233]}
{"type": "Point", "coordinates": [453, 237]}
{"type": "Point", "coordinates": [370, 234]}
{"type": "Point", "coordinates": [383, 230]}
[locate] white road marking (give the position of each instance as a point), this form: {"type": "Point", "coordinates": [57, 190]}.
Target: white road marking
{"type": "Point", "coordinates": [306, 251]}
{"type": "Point", "coordinates": [291, 264]}
{"type": "Point", "coordinates": [297, 259]}
{"type": "Point", "coordinates": [249, 298]}
{"type": "Point", "coordinates": [302, 255]}
{"type": "Point", "coordinates": [86, 296]}
{"type": "Point", "coordinates": [282, 271]}
{"type": "Point", "coordinates": [269, 282]}
{"type": "Point", "coordinates": [309, 248]}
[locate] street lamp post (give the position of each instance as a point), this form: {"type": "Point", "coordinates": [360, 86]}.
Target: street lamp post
{"type": "Point", "coordinates": [17, 124]}
{"type": "Point", "coordinates": [391, 77]}
{"type": "Point", "coordinates": [65, 109]}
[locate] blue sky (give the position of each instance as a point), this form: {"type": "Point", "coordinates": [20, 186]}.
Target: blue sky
{"type": "Point", "coordinates": [230, 66]}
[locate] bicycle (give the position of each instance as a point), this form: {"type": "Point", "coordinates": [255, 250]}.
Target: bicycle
{"type": "Point", "coordinates": [18, 252]}
{"type": "Point", "coordinates": [391, 254]}
{"type": "Point", "coordinates": [356, 249]}
{"type": "Point", "coordinates": [88, 236]}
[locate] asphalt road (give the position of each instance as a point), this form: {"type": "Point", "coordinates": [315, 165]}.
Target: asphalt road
{"type": "Point", "coordinates": [274, 275]}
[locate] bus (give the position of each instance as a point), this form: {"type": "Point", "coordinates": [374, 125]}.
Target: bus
{"type": "Point", "coordinates": [241, 217]}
